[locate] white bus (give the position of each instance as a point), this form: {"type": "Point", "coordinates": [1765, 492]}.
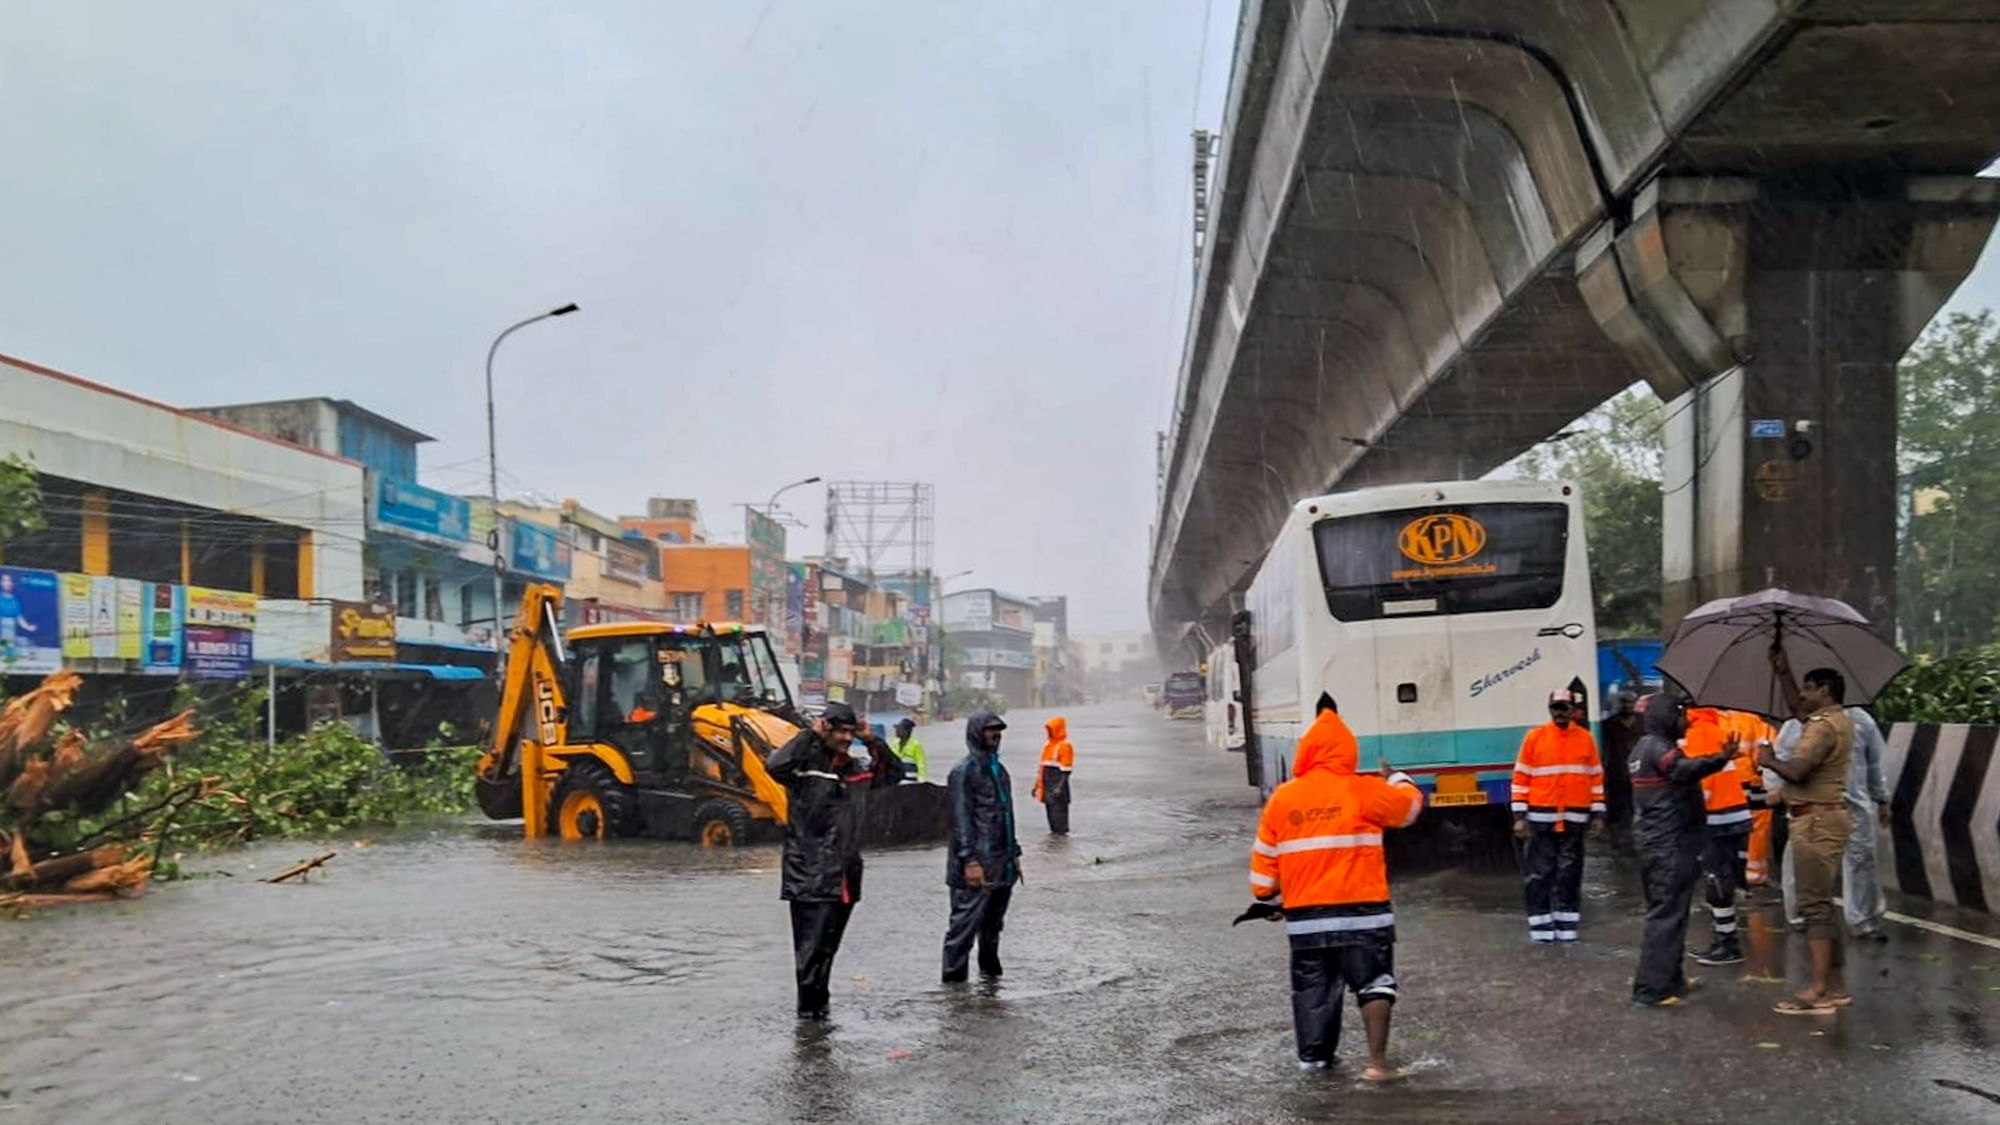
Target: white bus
{"type": "Point", "coordinates": [1439, 617]}
{"type": "Point", "coordinates": [1222, 715]}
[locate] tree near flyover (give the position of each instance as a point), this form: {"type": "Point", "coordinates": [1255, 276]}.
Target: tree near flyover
{"type": "Point", "coordinates": [1612, 454]}
{"type": "Point", "coordinates": [20, 499]}
{"type": "Point", "coordinates": [1948, 569]}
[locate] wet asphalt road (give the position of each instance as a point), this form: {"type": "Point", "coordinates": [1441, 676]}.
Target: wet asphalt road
{"type": "Point", "coordinates": [458, 974]}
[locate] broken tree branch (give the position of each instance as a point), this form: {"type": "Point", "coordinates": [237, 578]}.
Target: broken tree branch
{"type": "Point", "coordinates": [301, 869]}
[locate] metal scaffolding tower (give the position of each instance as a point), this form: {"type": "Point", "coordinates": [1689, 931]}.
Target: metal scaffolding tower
{"type": "Point", "coordinates": [881, 527]}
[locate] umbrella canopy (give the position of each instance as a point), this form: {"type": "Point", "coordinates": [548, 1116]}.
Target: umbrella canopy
{"type": "Point", "coordinates": [1721, 654]}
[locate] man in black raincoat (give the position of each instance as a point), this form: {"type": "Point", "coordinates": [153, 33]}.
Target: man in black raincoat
{"type": "Point", "coordinates": [1672, 826]}
{"type": "Point", "coordinates": [822, 867]}
{"type": "Point", "coordinates": [984, 859]}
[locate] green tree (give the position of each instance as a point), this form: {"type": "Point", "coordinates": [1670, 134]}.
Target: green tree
{"type": "Point", "coordinates": [1948, 573]}
{"type": "Point", "coordinates": [20, 499]}
{"type": "Point", "coordinates": [1613, 455]}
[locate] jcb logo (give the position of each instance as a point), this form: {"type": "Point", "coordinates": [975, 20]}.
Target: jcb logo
{"type": "Point", "coordinates": [1441, 539]}
{"type": "Point", "coordinates": [545, 712]}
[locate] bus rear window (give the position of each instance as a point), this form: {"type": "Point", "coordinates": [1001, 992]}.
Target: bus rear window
{"type": "Point", "coordinates": [1467, 558]}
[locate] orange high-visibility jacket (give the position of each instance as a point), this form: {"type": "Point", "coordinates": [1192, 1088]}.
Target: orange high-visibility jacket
{"type": "Point", "coordinates": [1319, 843]}
{"type": "Point", "coordinates": [1558, 777]}
{"type": "Point", "coordinates": [1058, 752]}
{"type": "Point", "coordinates": [1751, 731]}
{"type": "Point", "coordinates": [1728, 806]}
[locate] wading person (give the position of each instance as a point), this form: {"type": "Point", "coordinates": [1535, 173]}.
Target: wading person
{"type": "Point", "coordinates": [1558, 795]}
{"type": "Point", "coordinates": [822, 864]}
{"type": "Point", "coordinates": [1671, 827]}
{"type": "Point", "coordinates": [1868, 814]}
{"type": "Point", "coordinates": [1620, 733]}
{"type": "Point", "coordinates": [1052, 777]}
{"type": "Point", "coordinates": [1727, 814]}
{"type": "Point", "coordinates": [1318, 856]}
{"type": "Point", "coordinates": [982, 862]}
{"type": "Point", "coordinates": [1816, 776]}
{"type": "Point", "coordinates": [907, 748]}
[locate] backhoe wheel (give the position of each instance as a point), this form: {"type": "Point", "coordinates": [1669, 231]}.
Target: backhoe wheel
{"type": "Point", "coordinates": [590, 804]}
{"type": "Point", "coordinates": [721, 823]}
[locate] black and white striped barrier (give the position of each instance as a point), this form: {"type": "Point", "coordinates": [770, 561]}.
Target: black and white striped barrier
{"type": "Point", "coordinates": [1944, 831]}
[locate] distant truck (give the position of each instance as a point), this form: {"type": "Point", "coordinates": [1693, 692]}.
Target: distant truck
{"type": "Point", "coordinates": [1185, 694]}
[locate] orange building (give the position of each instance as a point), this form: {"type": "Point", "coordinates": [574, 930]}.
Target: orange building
{"type": "Point", "coordinates": [705, 581]}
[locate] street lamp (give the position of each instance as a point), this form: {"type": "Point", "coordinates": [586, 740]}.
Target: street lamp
{"type": "Point", "coordinates": [772, 504]}
{"type": "Point", "coordinates": [493, 469]}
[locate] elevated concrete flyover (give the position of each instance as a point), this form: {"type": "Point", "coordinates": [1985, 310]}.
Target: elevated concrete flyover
{"type": "Point", "coordinates": [1445, 228]}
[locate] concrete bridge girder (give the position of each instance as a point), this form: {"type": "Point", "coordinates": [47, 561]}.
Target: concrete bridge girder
{"type": "Point", "coordinates": [1515, 109]}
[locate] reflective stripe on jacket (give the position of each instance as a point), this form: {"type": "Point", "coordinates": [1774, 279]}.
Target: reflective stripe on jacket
{"type": "Point", "coordinates": [1558, 777]}
{"type": "Point", "coordinates": [1319, 842]}
{"type": "Point", "coordinates": [1722, 792]}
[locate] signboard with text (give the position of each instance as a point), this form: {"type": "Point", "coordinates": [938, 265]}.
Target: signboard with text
{"type": "Point", "coordinates": [768, 572]}
{"type": "Point", "coordinates": [537, 551]}
{"type": "Point", "coordinates": [30, 621]}
{"type": "Point", "coordinates": [216, 639]}
{"type": "Point", "coordinates": [362, 631]}
{"type": "Point", "coordinates": [408, 506]}
{"type": "Point", "coordinates": [160, 629]}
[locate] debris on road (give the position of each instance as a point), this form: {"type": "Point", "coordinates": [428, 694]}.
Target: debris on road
{"type": "Point", "coordinates": [302, 869]}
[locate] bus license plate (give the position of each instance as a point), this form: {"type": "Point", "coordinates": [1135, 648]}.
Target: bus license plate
{"type": "Point", "coordinates": [1458, 789]}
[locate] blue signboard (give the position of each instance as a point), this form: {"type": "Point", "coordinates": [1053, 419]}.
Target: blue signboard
{"type": "Point", "coordinates": [412, 507]}
{"type": "Point", "coordinates": [165, 605]}
{"type": "Point", "coordinates": [30, 621]}
{"type": "Point", "coordinates": [538, 551]}
{"type": "Point", "coordinates": [1767, 427]}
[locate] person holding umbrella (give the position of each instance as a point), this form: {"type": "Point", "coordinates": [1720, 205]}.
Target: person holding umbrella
{"type": "Point", "coordinates": [1815, 775]}
{"type": "Point", "coordinates": [1739, 653]}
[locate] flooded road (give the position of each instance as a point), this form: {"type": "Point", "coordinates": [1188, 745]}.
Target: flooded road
{"type": "Point", "coordinates": [461, 975]}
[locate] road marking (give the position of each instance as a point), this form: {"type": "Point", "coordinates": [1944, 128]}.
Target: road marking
{"type": "Point", "coordinates": [1941, 928]}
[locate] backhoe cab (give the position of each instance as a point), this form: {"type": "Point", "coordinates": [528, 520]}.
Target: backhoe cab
{"type": "Point", "coordinates": [636, 729]}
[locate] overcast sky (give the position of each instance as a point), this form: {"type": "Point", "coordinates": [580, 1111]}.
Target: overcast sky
{"type": "Point", "coordinates": [866, 240]}
{"type": "Point", "coordinates": [862, 239]}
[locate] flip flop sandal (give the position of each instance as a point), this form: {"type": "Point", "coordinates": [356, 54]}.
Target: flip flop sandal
{"type": "Point", "coordinates": [1838, 1001]}
{"type": "Point", "coordinates": [1792, 1007]}
{"type": "Point", "coordinates": [1394, 1074]}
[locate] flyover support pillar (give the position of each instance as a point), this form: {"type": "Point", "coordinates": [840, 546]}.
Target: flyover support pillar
{"type": "Point", "coordinates": [1771, 314]}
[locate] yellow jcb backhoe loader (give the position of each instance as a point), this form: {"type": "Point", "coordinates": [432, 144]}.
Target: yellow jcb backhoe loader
{"type": "Point", "coordinates": [651, 729]}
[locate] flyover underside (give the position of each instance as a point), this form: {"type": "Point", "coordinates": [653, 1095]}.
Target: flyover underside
{"type": "Point", "coordinates": [1393, 293]}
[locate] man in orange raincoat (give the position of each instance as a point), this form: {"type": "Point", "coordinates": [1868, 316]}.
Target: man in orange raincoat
{"type": "Point", "coordinates": [1318, 863]}
{"type": "Point", "coordinates": [1052, 779]}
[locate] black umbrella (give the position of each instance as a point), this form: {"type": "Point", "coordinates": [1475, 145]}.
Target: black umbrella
{"type": "Point", "coordinates": [1721, 654]}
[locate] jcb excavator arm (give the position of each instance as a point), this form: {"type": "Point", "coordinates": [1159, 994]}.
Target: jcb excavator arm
{"type": "Point", "coordinates": [533, 710]}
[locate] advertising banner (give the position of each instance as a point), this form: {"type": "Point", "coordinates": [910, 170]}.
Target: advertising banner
{"type": "Point", "coordinates": [217, 638]}
{"type": "Point", "coordinates": [128, 615]}
{"type": "Point", "coordinates": [224, 609]}
{"type": "Point", "coordinates": [104, 618]}
{"type": "Point", "coordinates": [537, 551]}
{"type": "Point", "coordinates": [408, 506]}
{"type": "Point", "coordinates": [971, 611]}
{"type": "Point", "coordinates": [909, 695]}
{"type": "Point", "coordinates": [768, 577]}
{"type": "Point", "coordinates": [76, 616]}
{"type": "Point", "coordinates": [362, 631]}
{"type": "Point", "coordinates": [30, 621]}
{"type": "Point", "coordinates": [164, 606]}
{"type": "Point", "coordinates": [795, 607]}
{"type": "Point", "coordinates": [216, 653]}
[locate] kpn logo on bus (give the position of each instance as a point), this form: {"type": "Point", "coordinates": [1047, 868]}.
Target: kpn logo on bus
{"type": "Point", "coordinates": [1443, 545]}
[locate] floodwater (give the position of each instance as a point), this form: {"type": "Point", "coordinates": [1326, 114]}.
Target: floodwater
{"type": "Point", "coordinates": [460, 974]}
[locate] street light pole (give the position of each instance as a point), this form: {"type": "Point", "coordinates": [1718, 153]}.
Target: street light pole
{"type": "Point", "coordinates": [772, 504]}
{"type": "Point", "coordinates": [493, 470]}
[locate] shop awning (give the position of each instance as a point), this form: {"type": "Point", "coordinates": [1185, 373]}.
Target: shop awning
{"type": "Point", "coordinates": [383, 668]}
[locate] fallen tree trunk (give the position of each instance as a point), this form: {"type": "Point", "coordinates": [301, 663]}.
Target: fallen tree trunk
{"type": "Point", "coordinates": [31, 901]}
{"type": "Point", "coordinates": [63, 868]}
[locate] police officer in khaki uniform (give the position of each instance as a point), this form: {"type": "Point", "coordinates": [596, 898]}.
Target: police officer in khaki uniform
{"type": "Point", "coordinates": [1815, 775]}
